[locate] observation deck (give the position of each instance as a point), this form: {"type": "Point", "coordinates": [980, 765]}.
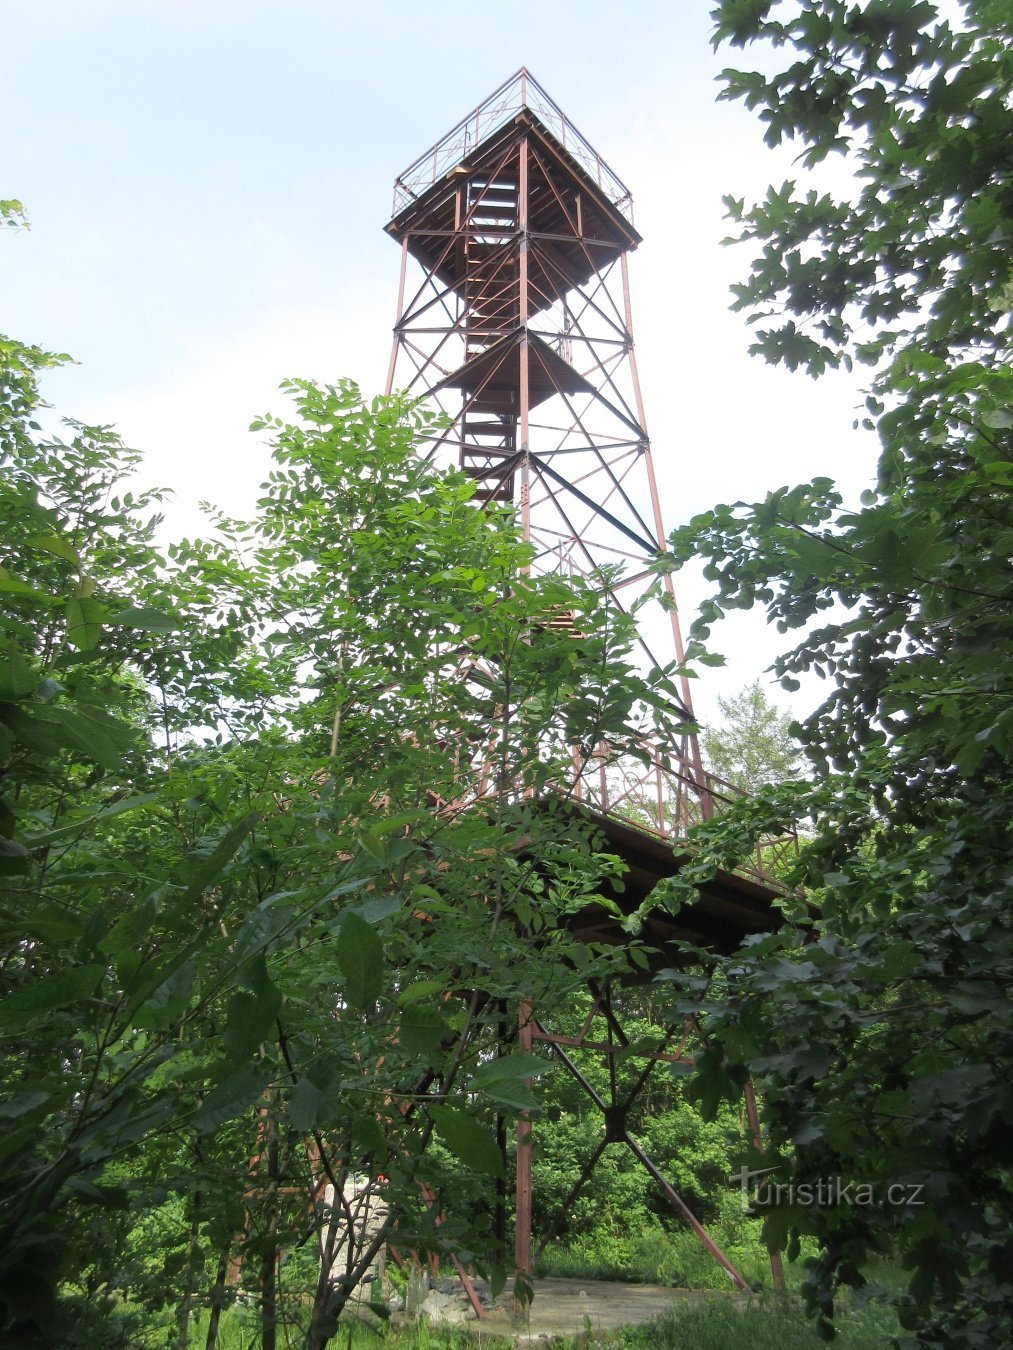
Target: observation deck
{"type": "Point", "coordinates": [462, 203]}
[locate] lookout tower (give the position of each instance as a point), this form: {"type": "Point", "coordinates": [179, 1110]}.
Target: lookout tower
{"type": "Point", "coordinates": [514, 318]}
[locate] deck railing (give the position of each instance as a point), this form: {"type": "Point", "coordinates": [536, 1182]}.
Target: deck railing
{"type": "Point", "coordinates": [521, 91]}
{"type": "Point", "coordinates": [665, 797]}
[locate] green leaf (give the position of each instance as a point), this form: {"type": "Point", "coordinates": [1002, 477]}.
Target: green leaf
{"type": "Point", "coordinates": [20, 1105]}
{"type": "Point", "coordinates": [17, 678]}
{"type": "Point", "coordinates": [48, 994]}
{"type": "Point", "coordinates": [85, 617]}
{"type": "Point", "coordinates": [304, 1105]}
{"type": "Point", "coordinates": [230, 1098]}
{"type": "Point", "coordinates": [21, 1139]}
{"type": "Point", "coordinates": [474, 1145]}
{"type": "Point", "coordinates": [151, 620]}
{"type": "Point", "coordinates": [204, 869]}
{"type": "Point", "coordinates": [33, 726]}
{"type": "Point", "coordinates": [504, 1080]}
{"type": "Point", "coordinates": [252, 1014]}
{"type": "Point", "coordinates": [368, 1134]}
{"type": "Point", "coordinates": [15, 859]}
{"type": "Point", "coordinates": [422, 1032]}
{"type": "Point", "coordinates": [92, 732]}
{"type": "Point", "coordinates": [48, 922]}
{"type": "Point", "coordinates": [91, 1192]}
{"type": "Point", "coordinates": [375, 909]}
{"type": "Point", "coordinates": [13, 585]}
{"type": "Point", "coordinates": [421, 989]}
{"type": "Point", "coordinates": [129, 932]}
{"type": "Point", "coordinates": [167, 1000]}
{"type": "Point", "coordinates": [360, 957]}
{"type": "Point", "coordinates": [57, 545]}
{"type": "Point", "coordinates": [117, 808]}
{"type": "Point", "coordinates": [497, 1280]}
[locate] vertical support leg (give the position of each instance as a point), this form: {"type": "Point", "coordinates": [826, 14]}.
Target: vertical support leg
{"type": "Point", "coordinates": [522, 1225]}
{"type": "Point", "coordinates": [524, 391]}
{"type": "Point", "coordinates": [389, 388]}
{"type": "Point", "coordinates": [703, 788]}
{"type": "Point", "coordinates": [753, 1116]}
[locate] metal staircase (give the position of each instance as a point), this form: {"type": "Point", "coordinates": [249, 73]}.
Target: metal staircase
{"type": "Point", "coordinates": [492, 315]}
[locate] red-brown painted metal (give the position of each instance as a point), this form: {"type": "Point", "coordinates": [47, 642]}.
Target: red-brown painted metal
{"type": "Point", "coordinates": [517, 324]}
{"type": "Point", "coordinates": [617, 1132]}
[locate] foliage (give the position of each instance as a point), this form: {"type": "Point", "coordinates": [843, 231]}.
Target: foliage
{"type": "Point", "coordinates": [620, 1199]}
{"type": "Point", "coordinates": [880, 1031]}
{"type": "Point", "coordinates": [649, 1253]}
{"type": "Point", "coordinates": [918, 258]}
{"type": "Point", "coordinates": [253, 941]}
{"type": "Point", "coordinates": [752, 745]}
{"type": "Point", "coordinates": [721, 1324]}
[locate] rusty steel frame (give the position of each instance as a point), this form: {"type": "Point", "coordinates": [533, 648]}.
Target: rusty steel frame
{"type": "Point", "coordinates": [516, 324]}
{"type": "Point", "coordinates": [499, 308]}
{"type": "Point", "coordinates": [614, 1113]}
{"type": "Point", "coordinates": [520, 91]}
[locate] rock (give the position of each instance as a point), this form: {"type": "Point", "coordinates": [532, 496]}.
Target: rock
{"type": "Point", "coordinates": [435, 1300]}
{"type": "Point", "coordinates": [446, 1308]}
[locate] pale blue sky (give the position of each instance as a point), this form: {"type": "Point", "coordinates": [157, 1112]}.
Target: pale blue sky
{"type": "Point", "coordinates": [208, 182]}
{"type": "Point", "coordinates": [199, 164]}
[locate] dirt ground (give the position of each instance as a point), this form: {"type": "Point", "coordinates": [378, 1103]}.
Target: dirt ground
{"type": "Point", "coordinates": [569, 1307]}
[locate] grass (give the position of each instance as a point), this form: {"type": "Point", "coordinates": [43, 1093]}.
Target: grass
{"type": "Point", "coordinates": [713, 1324]}
{"type": "Point", "coordinates": [767, 1324]}
{"type": "Point", "coordinates": [654, 1256]}
{"type": "Point", "coordinates": [238, 1332]}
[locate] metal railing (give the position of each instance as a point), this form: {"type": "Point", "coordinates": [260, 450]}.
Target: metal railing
{"type": "Point", "coordinates": [521, 91]}
{"type": "Point", "coordinates": [655, 793]}
{"type": "Point", "coordinates": [664, 797]}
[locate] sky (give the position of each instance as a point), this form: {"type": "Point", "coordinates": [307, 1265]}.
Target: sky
{"type": "Point", "coordinates": [208, 183]}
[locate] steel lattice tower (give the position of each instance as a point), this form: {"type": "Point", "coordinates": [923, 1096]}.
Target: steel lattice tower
{"type": "Point", "coordinates": [514, 318]}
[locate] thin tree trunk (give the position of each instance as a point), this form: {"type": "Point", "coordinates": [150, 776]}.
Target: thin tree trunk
{"type": "Point", "coordinates": [186, 1302]}
{"type": "Point", "coordinates": [269, 1263]}
{"type": "Point", "coordinates": [322, 1292]}
{"type": "Point", "coordinates": [217, 1300]}
{"type": "Point", "coordinates": [335, 1300]}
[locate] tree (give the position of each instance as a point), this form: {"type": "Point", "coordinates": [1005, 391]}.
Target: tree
{"type": "Point", "coordinates": [880, 1032]}
{"type": "Point", "coordinates": [752, 745]}
{"type": "Point", "coordinates": [282, 850]}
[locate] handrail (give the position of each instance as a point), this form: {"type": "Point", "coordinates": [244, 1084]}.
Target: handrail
{"type": "Point", "coordinates": [664, 800]}
{"type": "Point", "coordinates": [520, 91]}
